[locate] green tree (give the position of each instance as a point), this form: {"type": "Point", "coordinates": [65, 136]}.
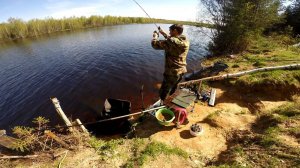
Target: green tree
{"type": "Point", "coordinates": [236, 22]}
{"type": "Point", "coordinates": [293, 16]}
{"type": "Point", "coordinates": [17, 28]}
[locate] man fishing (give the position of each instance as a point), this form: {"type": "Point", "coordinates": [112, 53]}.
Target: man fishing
{"type": "Point", "coordinates": [176, 48]}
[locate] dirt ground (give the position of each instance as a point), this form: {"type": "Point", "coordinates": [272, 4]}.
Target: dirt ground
{"type": "Point", "coordinates": [233, 111]}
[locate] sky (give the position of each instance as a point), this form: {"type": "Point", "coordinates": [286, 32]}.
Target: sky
{"type": "Point", "coordinates": [164, 9]}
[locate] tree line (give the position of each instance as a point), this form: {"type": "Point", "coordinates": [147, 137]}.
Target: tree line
{"type": "Point", "coordinates": [238, 23]}
{"type": "Point", "coordinates": [16, 28]}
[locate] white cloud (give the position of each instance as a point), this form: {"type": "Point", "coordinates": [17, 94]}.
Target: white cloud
{"type": "Point", "coordinates": [67, 8]}
{"type": "Point", "coordinates": [80, 11]}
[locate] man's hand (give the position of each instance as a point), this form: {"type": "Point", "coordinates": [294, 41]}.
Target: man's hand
{"type": "Point", "coordinates": [162, 32]}
{"type": "Point", "coordinates": [155, 34]}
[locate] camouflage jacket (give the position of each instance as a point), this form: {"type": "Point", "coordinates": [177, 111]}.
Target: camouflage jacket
{"type": "Point", "coordinates": [176, 50]}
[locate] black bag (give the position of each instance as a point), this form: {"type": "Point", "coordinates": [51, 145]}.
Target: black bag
{"type": "Point", "coordinates": [113, 108]}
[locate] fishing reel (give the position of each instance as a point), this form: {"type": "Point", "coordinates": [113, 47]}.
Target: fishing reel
{"type": "Point", "coordinates": [156, 33]}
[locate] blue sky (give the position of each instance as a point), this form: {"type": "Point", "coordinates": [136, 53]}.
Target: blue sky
{"type": "Point", "coordinates": [166, 9]}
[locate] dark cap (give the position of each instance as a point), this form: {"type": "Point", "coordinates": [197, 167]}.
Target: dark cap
{"type": "Point", "coordinates": [178, 27]}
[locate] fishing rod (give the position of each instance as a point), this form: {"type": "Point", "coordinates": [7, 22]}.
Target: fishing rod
{"type": "Point", "coordinates": [105, 120]}
{"type": "Point", "coordinates": [146, 14]}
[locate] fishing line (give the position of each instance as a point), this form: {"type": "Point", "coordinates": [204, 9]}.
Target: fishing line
{"type": "Point", "coordinates": [146, 13]}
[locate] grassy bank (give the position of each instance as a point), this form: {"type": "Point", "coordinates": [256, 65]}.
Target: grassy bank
{"type": "Point", "coordinates": [17, 28]}
{"type": "Point", "coordinates": [136, 152]}
{"type": "Point", "coordinates": [271, 141]}
{"type": "Point", "coordinates": [266, 51]}
{"type": "Point", "coordinates": [129, 153]}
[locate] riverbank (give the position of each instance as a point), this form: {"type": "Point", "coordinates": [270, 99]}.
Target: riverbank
{"type": "Point", "coordinates": [18, 29]}
{"type": "Point", "coordinates": [255, 123]}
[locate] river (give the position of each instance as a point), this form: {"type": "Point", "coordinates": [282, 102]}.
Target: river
{"type": "Point", "coordinates": [81, 69]}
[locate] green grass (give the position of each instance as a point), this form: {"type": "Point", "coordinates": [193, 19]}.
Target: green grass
{"type": "Point", "coordinates": [214, 115]}
{"type": "Point", "coordinates": [238, 150]}
{"type": "Point", "coordinates": [151, 151]}
{"type": "Point", "coordinates": [289, 110]}
{"type": "Point", "coordinates": [265, 51]}
{"type": "Point", "coordinates": [277, 77]}
{"type": "Point", "coordinates": [262, 45]}
{"type": "Point", "coordinates": [269, 49]}
{"type": "Point", "coordinates": [259, 64]}
{"type": "Point", "coordinates": [141, 150]}
{"type": "Point", "coordinates": [137, 145]}
{"type": "Point", "coordinates": [269, 138]}
{"type": "Point", "coordinates": [138, 142]}
{"type": "Point", "coordinates": [205, 85]}
{"type": "Point", "coordinates": [285, 54]}
{"type": "Point", "coordinates": [277, 56]}
{"type": "Point", "coordinates": [154, 149]}
{"type": "Point", "coordinates": [102, 145]}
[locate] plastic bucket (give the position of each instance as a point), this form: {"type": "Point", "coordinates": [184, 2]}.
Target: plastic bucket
{"type": "Point", "coordinates": [165, 116]}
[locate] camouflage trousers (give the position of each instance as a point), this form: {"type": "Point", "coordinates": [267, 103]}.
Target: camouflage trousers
{"type": "Point", "coordinates": [169, 85]}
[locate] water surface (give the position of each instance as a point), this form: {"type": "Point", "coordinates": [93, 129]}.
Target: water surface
{"type": "Point", "coordinates": [81, 69]}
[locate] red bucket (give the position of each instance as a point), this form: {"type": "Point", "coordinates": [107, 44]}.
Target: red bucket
{"type": "Point", "coordinates": [180, 116]}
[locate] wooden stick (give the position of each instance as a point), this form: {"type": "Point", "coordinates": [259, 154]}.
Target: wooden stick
{"type": "Point", "coordinates": [199, 88]}
{"type": "Point", "coordinates": [226, 76]}
{"type": "Point", "coordinates": [81, 126]}
{"type": "Point", "coordinates": [56, 138]}
{"type": "Point", "coordinates": [61, 113]}
{"type": "Point", "coordinates": [8, 141]}
{"type": "Point", "coordinates": [19, 157]}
